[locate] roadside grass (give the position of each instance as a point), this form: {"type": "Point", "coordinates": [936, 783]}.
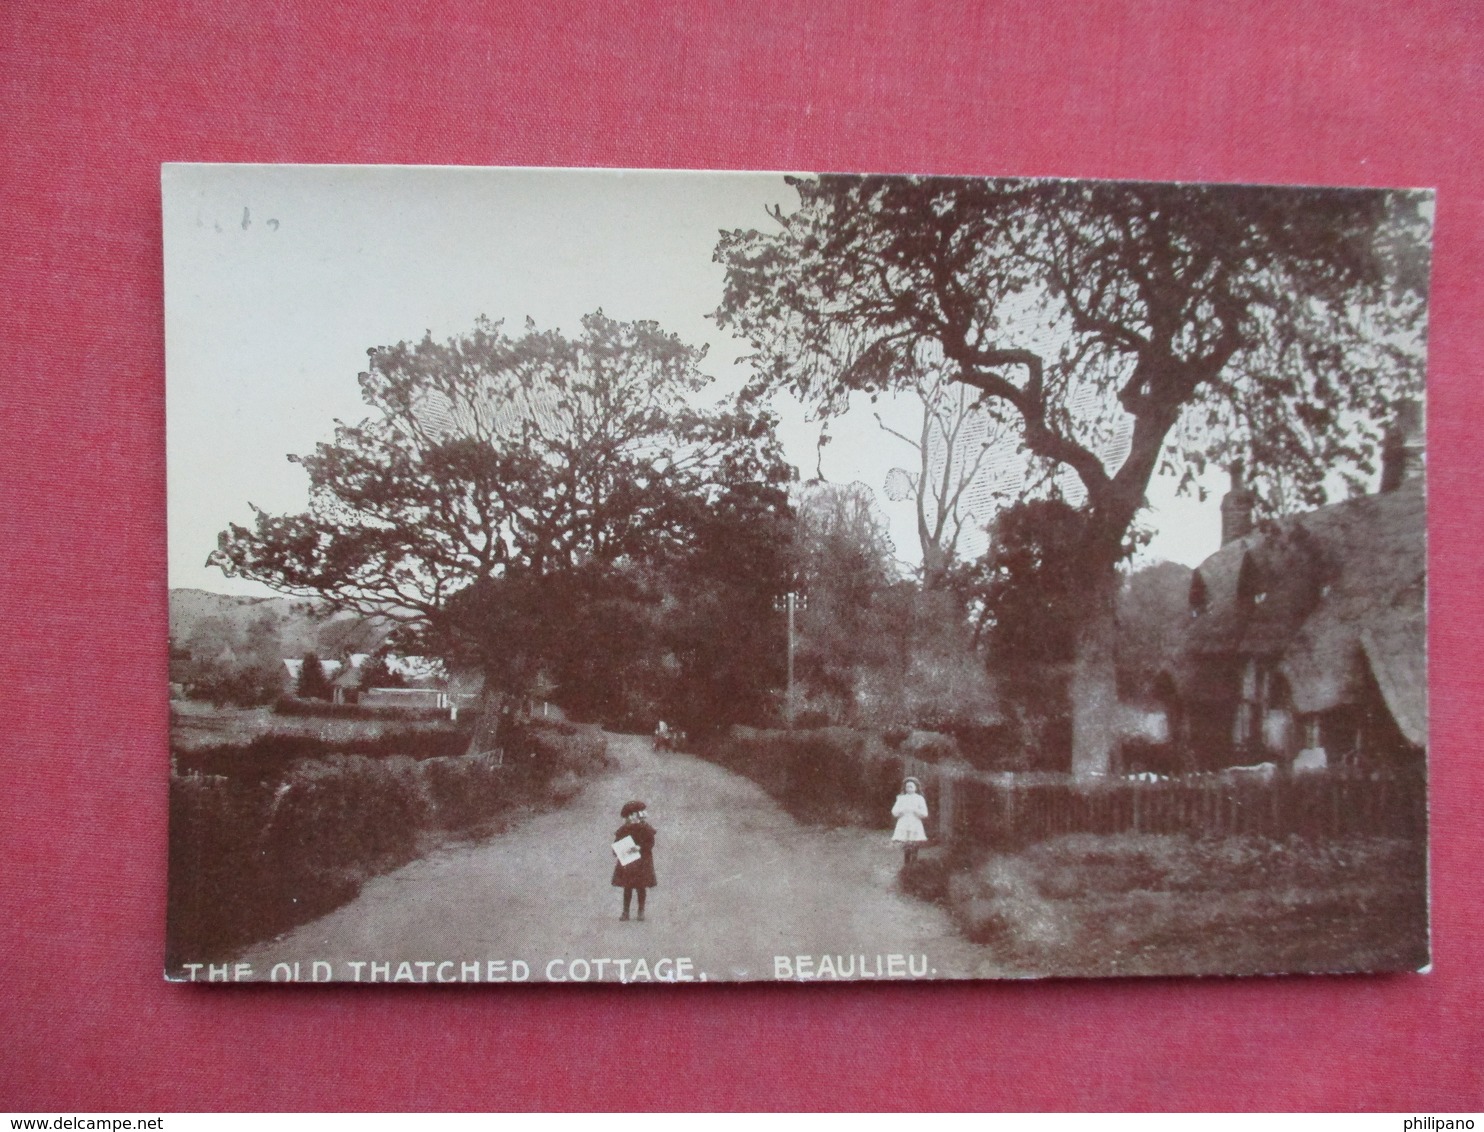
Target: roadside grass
{"type": "Point", "coordinates": [1146, 904]}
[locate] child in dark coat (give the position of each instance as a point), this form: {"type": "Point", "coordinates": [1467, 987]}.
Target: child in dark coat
{"type": "Point", "coordinates": [638, 874]}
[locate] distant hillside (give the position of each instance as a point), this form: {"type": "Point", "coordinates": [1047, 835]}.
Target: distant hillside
{"type": "Point", "coordinates": [199, 618]}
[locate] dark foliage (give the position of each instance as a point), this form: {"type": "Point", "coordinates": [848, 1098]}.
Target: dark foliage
{"type": "Point", "coordinates": [1026, 598]}
{"type": "Point", "coordinates": [323, 709]}
{"type": "Point", "coordinates": [227, 662]}
{"type": "Point", "coordinates": [253, 854]}
{"type": "Point", "coordinates": [693, 638]}
{"type": "Point", "coordinates": [1026, 587]}
{"type": "Point", "coordinates": [313, 684]}
{"type": "Point", "coordinates": [377, 671]}
{"type": "Point", "coordinates": [828, 774]}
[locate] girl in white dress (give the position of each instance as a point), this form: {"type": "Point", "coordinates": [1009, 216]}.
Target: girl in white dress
{"type": "Point", "coordinates": [909, 810]}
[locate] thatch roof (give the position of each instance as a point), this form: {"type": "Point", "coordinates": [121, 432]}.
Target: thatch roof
{"type": "Point", "coordinates": [1258, 590]}
{"type": "Point", "coordinates": [1325, 595]}
{"type": "Point", "coordinates": [1396, 645]}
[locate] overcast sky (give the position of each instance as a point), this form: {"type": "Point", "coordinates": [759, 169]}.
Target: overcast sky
{"type": "Point", "coordinates": [279, 278]}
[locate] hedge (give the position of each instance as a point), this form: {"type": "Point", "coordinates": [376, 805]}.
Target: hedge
{"type": "Point", "coordinates": [324, 709]}
{"type": "Point", "coordinates": [832, 774]}
{"type": "Point", "coordinates": [253, 854]}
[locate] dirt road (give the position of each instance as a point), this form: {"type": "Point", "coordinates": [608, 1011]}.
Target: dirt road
{"type": "Point", "coordinates": [742, 886]}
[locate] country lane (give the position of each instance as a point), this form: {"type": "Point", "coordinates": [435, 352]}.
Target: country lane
{"type": "Point", "coordinates": [740, 884]}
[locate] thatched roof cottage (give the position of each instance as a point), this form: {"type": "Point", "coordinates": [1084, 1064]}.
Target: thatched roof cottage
{"type": "Point", "coordinates": [1307, 639]}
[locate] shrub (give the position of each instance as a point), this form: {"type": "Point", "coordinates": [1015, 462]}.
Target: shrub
{"type": "Point", "coordinates": [323, 709]}
{"type": "Point", "coordinates": [546, 748]}
{"type": "Point", "coordinates": [313, 682]}
{"type": "Point", "coordinates": [984, 746]}
{"type": "Point", "coordinates": [825, 774]}
{"type": "Point", "coordinates": [927, 877]}
{"type": "Point", "coordinates": [270, 756]}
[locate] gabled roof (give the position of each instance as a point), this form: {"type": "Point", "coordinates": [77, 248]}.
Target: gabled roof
{"type": "Point", "coordinates": [1258, 590]}
{"type": "Point", "coordinates": [1326, 594]}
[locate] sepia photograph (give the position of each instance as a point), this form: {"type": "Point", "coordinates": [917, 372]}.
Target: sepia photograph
{"type": "Point", "coordinates": [625, 576]}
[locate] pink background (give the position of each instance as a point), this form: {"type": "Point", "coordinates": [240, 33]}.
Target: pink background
{"type": "Point", "coordinates": [94, 96]}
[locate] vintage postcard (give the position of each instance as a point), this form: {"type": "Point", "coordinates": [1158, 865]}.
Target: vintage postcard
{"type": "Point", "coordinates": [669, 577]}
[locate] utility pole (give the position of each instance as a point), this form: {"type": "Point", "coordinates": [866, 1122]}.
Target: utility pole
{"type": "Point", "coordinates": [789, 703]}
{"type": "Point", "coordinates": [790, 603]}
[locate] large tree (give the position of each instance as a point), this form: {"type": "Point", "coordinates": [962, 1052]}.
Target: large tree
{"type": "Point", "coordinates": [1124, 328]}
{"type": "Point", "coordinates": [497, 477]}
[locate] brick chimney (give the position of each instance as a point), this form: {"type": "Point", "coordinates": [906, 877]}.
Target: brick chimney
{"type": "Point", "coordinates": [1403, 445]}
{"type": "Point", "coordinates": [1236, 506]}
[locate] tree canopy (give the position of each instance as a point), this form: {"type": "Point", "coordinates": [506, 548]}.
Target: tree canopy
{"type": "Point", "coordinates": [1269, 324]}
{"type": "Point", "coordinates": [491, 464]}
{"type": "Point", "coordinates": [1119, 328]}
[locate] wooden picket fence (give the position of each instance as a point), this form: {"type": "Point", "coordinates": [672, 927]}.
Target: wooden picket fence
{"type": "Point", "coordinates": [835, 773]}
{"type": "Point", "coordinates": [1011, 811]}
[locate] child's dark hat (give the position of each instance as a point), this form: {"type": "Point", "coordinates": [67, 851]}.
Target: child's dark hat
{"type": "Point", "coordinates": [632, 808]}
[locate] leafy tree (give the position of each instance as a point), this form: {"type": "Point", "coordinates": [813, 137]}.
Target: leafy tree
{"type": "Point", "coordinates": [845, 566]}
{"type": "Point", "coordinates": [500, 478]}
{"type": "Point", "coordinates": [722, 624]}
{"type": "Point", "coordinates": [377, 672]}
{"type": "Point", "coordinates": [692, 638]}
{"type": "Point", "coordinates": [1028, 583]}
{"type": "Point", "coordinates": [314, 683]}
{"type": "Point", "coordinates": [1153, 611]}
{"type": "Point", "coordinates": [1024, 597]}
{"type": "Point", "coordinates": [1123, 328]}
{"type": "Point", "coordinates": [229, 664]}
{"type": "Point", "coordinates": [589, 631]}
